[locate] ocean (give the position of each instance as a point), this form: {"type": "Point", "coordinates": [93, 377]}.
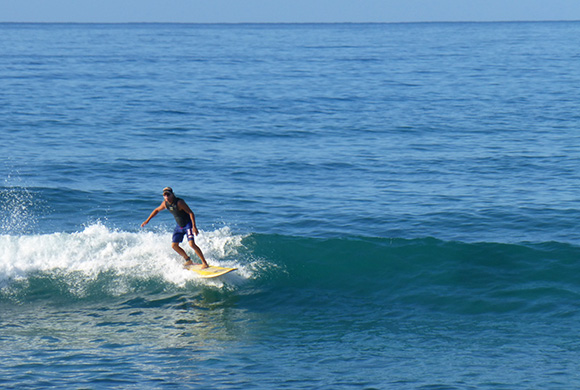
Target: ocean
{"type": "Point", "coordinates": [401, 202]}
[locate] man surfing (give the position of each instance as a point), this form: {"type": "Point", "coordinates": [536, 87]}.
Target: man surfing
{"type": "Point", "coordinates": [185, 225]}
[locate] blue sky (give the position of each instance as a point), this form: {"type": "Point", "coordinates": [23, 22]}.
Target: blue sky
{"type": "Point", "coordinates": [287, 11]}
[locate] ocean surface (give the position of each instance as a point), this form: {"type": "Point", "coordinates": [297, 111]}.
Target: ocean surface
{"type": "Point", "coordinates": [401, 202]}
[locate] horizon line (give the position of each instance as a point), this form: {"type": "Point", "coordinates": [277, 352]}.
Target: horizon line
{"type": "Point", "coordinates": [310, 23]}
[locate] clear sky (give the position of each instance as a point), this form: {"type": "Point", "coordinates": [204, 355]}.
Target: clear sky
{"type": "Point", "coordinates": [285, 11]}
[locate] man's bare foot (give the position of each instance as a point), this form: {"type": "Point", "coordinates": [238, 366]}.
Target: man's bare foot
{"type": "Point", "coordinates": [188, 263]}
{"type": "Point", "coordinates": [203, 265]}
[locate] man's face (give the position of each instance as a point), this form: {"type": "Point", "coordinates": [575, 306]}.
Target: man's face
{"type": "Point", "coordinates": [168, 196]}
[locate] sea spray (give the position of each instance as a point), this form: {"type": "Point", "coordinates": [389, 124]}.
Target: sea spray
{"type": "Point", "coordinates": [17, 209]}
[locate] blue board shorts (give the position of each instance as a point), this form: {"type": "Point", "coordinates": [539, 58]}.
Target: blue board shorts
{"type": "Point", "coordinates": [180, 232]}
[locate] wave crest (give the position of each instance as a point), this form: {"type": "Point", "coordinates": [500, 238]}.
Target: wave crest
{"type": "Point", "coordinates": [100, 261]}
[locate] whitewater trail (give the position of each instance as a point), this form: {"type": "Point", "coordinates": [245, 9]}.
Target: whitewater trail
{"type": "Point", "coordinates": [98, 249]}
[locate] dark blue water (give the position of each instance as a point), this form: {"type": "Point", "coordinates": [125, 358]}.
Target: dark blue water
{"type": "Point", "coordinates": [400, 202]}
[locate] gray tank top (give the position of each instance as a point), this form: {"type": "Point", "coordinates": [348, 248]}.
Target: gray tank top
{"type": "Point", "coordinates": [181, 217]}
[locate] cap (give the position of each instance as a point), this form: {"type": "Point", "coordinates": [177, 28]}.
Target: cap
{"type": "Point", "coordinates": [167, 190]}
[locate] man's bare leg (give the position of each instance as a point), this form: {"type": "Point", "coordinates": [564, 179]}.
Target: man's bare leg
{"type": "Point", "coordinates": [199, 253]}
{"type": "Point", "coordinates": [179, 250]}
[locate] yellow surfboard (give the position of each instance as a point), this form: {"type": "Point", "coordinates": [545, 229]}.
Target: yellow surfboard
{"type": "Point", "coordinates": [209, 272]}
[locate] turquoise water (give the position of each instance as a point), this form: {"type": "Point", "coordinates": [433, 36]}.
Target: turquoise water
{"type": "Point", "coordinates": [400, 202]}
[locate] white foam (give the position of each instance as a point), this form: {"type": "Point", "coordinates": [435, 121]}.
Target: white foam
{"type": "Point", "coordinates": [98, 249]}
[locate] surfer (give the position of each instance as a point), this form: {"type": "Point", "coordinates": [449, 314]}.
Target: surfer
{"type": "Point", "coordinates": [185, 225]}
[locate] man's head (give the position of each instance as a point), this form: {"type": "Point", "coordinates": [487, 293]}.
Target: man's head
{"type": "Point", "coordinates": [168, 193]}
